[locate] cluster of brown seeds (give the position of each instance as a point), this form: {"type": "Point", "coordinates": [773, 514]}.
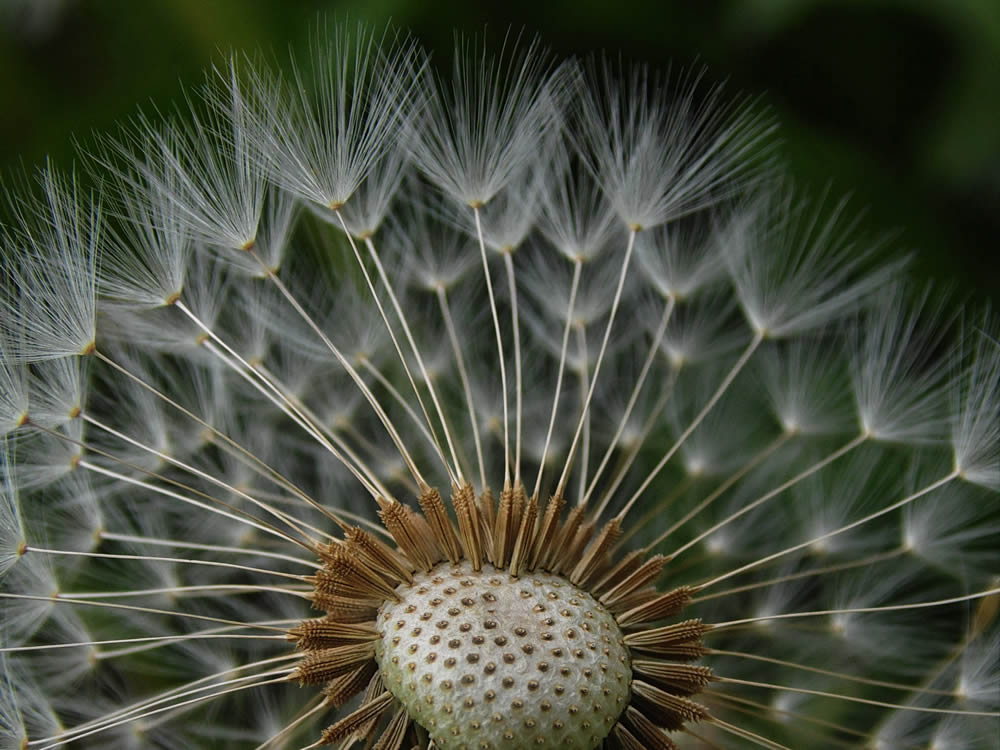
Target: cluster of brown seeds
{"type": "Point", "coordinates": [513, 628]}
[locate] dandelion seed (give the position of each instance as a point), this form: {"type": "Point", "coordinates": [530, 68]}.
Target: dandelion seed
{"type": "Point", "coordinates": [554, 421]}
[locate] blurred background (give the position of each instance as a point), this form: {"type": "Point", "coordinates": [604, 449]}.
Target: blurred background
{"type": "Point", "coordinates": [896, 102]}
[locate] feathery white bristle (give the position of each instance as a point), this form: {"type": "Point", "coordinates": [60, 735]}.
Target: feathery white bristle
{"type": "Point", "coordinates": [953, 530]}
{"type": "Point", "coordinates": [11, 521]}
{"type": "Point", "coordinates": [322, 136]}
{"type": "Point", "coordinates": [13, 390]}
{"type": "Point", "coordinates": [213, 172]}
{"type": "Point", "coordinates": [900, 393]}
{"type": "Point", "coordinates": [658, 151]}
{"type": "Point", "coordinates": [799, 266]}
{"type": "Point", "coordinates": [483, 128]}
{"type": "Point", "coordinates": [144, 257]}
{"type": "Point", "coordinates": [50, 256]}
{"type": "Point", "coordinates": [576, 218]}
{"type": "Point", "coordinates": [806, 384]}
{"type": "Point", "coordinates": [372, 199]}
{"type": "Point", "coordinates": [975, 435]}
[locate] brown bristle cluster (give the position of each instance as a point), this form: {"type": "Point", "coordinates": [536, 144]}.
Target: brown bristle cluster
{"type": "Point", "coordinates": [362, 576]}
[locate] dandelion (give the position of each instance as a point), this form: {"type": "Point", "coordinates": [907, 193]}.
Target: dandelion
{"type": "Point", "coordinates": [528, 407]}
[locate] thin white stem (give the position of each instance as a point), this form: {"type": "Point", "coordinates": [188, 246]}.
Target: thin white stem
{"type": "Point", "coordinates": [349, 369]}
{"type": "Point", "coordinates": [723, 387]}
{"type": "Point", "coordinates": [561, 487]}
{"type": "Point", "coordinates": [823, 537]}
{"type": "Point", "coordinates": [574, 286]}
{"type": "Point", "coordinates": [463, 375]}
{"type": "Point", "coordinates": [957, 651]}
{"type": "Point", "coordinates": [166, 694]}
{"type": "Point", "coordinates": [283, 517]}
{"type": "Point", "coordinates": [178, 560]}
{"type": "Point", "coordinates": [246, 456]}
{"type": "Point", "coordinates": [859, 610]}
{"type": "Point", "coordinates": [748, 735]}
{"type": "Point", "coordinates": [161, 640]}
{"type": "Point", "coordinates": [657, 509]}
{"type": "Point", "coordinates": [395, 341]}
{"type": "Point", "coordinates": [654, 347]}
{"type": "Point", "coordinates": [647, 427]}
{"type": "Point", "coordinates": [855, 699]}
{"type": "Point", "coordinates": [830, 673]}
{"type": "Point", "coordinates": [314, 706]}
{"type": "Point", "coordinates": [144, 647]}
{"type": "Point", "coordinates": [870, 560]}
{"type": "Point", "coordinates": [373, 526]}
{"type": "Point", "coordinates": [219, 342]}
{"type": "Point", "coordinates": [340, 429]}
{"type": "Point", "coordinates": [244, 369]}
{"type": "Point", "coordinates": [329, 439]}
{"type": "Point", "coordinates": [149, 610]}
{"type": "Point", "coordinates": [291, 495]}
{"type": "Point", "coordinates": [398, 398]}
{"type": "Point", "coordinates": [805, 473]}
{"type": "Point", "coordinates": [181, 590]}
{"type": "Point", "coordinates": [500, 354]}
{"type": "Point", "coordinates": [282, 403]}
{"type": "Point", "coordinates": [585, 383]}
{"type": "Point", "coordinates": [769, 712]}
{"type": "Point", "coordinates": [208, 547]}
{"type": "Point", "coordinates": [508, 263]}
{"type": "Point", "coordinates": [724, 487]}
{"type": "Point", "coordinates": [63, 739]}
{"type": "Point", "coordinates": [420, 361]}
{"type": "Point", "coordinates": [234, 515]}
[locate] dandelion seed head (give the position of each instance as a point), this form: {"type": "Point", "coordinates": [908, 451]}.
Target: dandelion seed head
{"type": "Point", "coordinates": [511, 406]}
